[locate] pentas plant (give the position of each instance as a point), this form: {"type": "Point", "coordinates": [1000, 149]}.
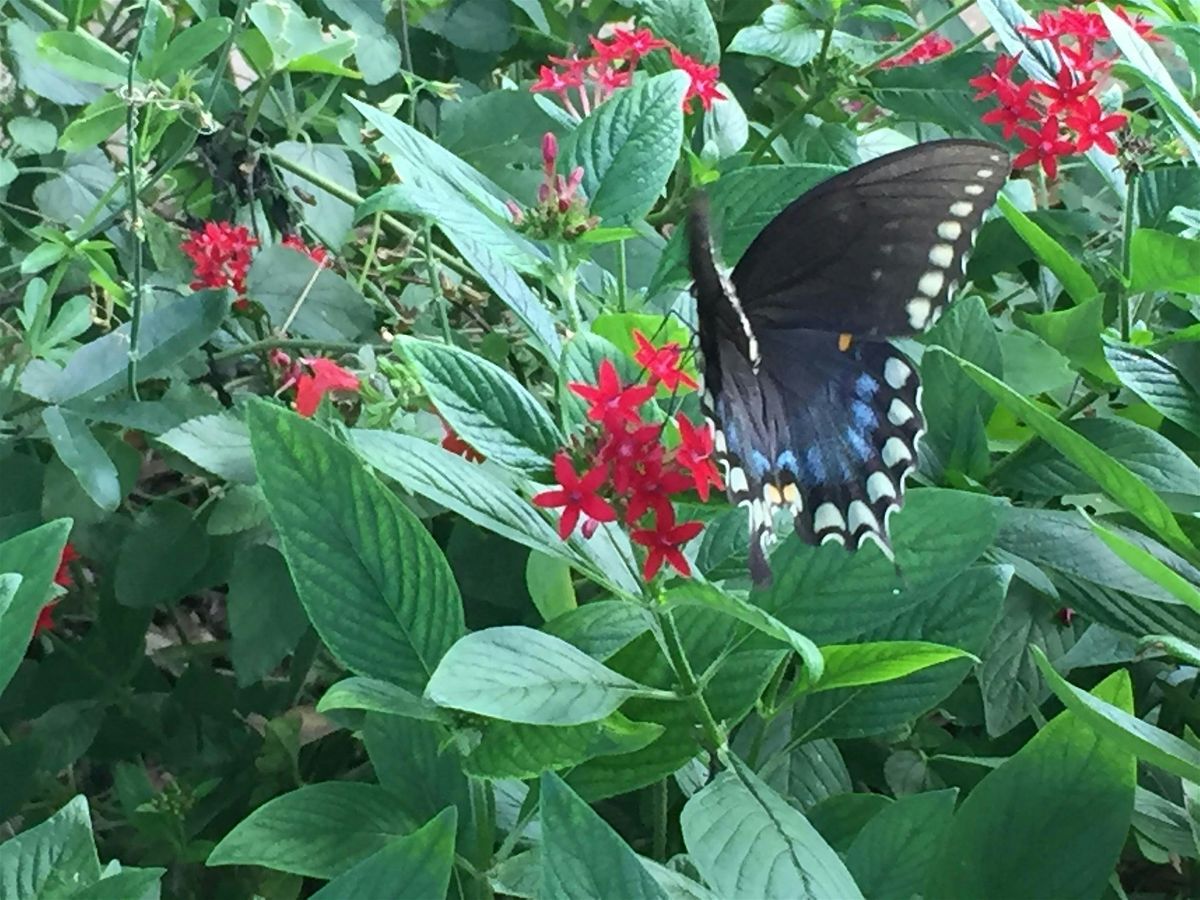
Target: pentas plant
{"type": "Point", "coordinates": [930, 47]}
{"type": "Point", "coordinates": [1060, 118]}
{"type": "Point", "coordinates": [621, 470]}
{"type": "Point", "coordinates": [221, 254]}
{"type": "Point", "coordinates": [593, 79]}
{"type": "Point", "coordinates": [312, 378]}
{"type": "Point", "coordinates": [562, 211]}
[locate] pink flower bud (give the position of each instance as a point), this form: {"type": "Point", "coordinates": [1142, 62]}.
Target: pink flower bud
{"type": "Point", "coordinates": [518, 215]}
{"type": "Point", "coordinates": [549, 151]}
{"type": "Point", "coordinates": [278, 358]}
{"type": "Point", "coordinates": [576, 178]}
{"type": "Point", "coordinates": [589, 527]}
{"type": "Point", "coordinates": [543, 192]}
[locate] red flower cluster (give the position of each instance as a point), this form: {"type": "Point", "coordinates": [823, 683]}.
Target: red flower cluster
{"type": "Point", "coordinates": [562, 210]}
{"type": "Point", "coordinates": [1072, 120]}
{"type": "Point", "coordinates": [62, 577]}
{"type": "Point", "coordinates": [312, 377]}
{"type": "Point", "coordinates": [927, 48]}
{"type": "Point", "coordinates": [594, 78]}
{"type": "Point", "coordinates": [221, 256]}
{"type": "Point", "coordinates": [629, 474]}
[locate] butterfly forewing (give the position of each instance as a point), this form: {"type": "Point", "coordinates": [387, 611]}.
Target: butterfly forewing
{"type": "Point", "coordinates": [814, 412]}
{"type": "Point", "coordinates": [875, 251]}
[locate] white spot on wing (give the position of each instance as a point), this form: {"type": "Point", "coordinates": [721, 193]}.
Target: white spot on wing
{"type": "Point", "coordinates": [961, 209]}
{"type": "Point", "coordinates": [931, 283]}
{"type": "Point", "coordinates": [862, 517]}
{"type": "Point", "coordinates": [973, 190]}
{"type": "Point", "coordinates": [879, 485]}
{"type": "Point", "coordinates": [918, 310]}
{"type": "Point", "coordinates": [876, 274]}
{"type": "Point", "coordinates": [895, 453]}
{"type": "Point", "coordinates": [737, 480]}
{"type": "Point", "coordinates": [941, 255]}
{"type": "Point", "coordinates": [835, 537]}
{"type": "Point", "coordinates": [896, 372]}
{"type": "Point", "coordinates": [878, 539]}
{"type": "Point", "coordinates": [949, 230]}
{"type": "Point", "coordinates": [828, 516]}
{"type": "Point", "coordinates": [985, 173]}
{"type": "Point", "coordinates": [898, 412]}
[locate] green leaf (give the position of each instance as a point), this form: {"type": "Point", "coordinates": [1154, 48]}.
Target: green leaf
{"type": "Point", "coordinates": [33, 135]}
{"type": "Point", "coordinates": [582, 857]}
{"type": "Point", "coordinates": [1158, 382]}
{"type": "Point", "coordinates": [83, 57]}
{"type": "Point", "coordinates": [297, 42]}
{"type": "Point", "coordinates": [1073, 276]}
{"type": "Point", "coordinates": [550, 586]}
{"type": "Point", "coordinates": [521, 675]}
{"type": "Point", "coordinates": [191, 46]}
{"type": "Point", "coordinates": [1138, 55]}
{"type": "Point", "coordinates": [374, 695]}
{"type": "Point", "coordinates": [266, 620]}
{"type": "Point", "coordinates": [169, 332]}
{"type": "Point", "coordinates": [94, 124]}
{"type": "Point", "coordinates": [1164, 262]}
{"type": "Point", "coordinates": [488, 408]}
{"type": "Point", "coordinates": [160, 555]}
{"type": "Point", "coordinates": [854, 665]}
{"type": "Point", "coordinates": [486, 500]}
{"type": "Point", "coordinates": [319, 831]}
{"type": "Point", "coordinates": [931, 93]}
{"type": "Point", "coordinates": [1068, 789]}
{"type": "Point", "coordinates": [513, 750]}
{"type": "Point", "coordinates": [1076, 334]}
{"type": "Point", "coordinates": [747, 841]}
{"type": "Point", "coordinates": [712, 597]}
{"type": "Point", "coordinates": [53, 859]}
{"type": "Point", "coordinates": [1115, 723]}
{"type": "Point", "coordinates": [330, 217]}
{"type": "Point", "coordinates": [34, 555]}
{"type": "Point", "coordinates": [80, 452]}
{"type": "Point", "coordinates": [219, 444]}
{"type": "Point", "coordinates": [331, 309]}
{"type": "Point", "coordinates": [145, 884]}
{"type": "Point", "coordinates": [602, 627]}
{"type": "Point", "coordinates": [806, 774]}
{"type": "Point", "coordinates": [1145, 563]}
{"type": "Point", "coordinates": [374, 583]}
{"type": "Point", "coordinates": [688, 24]}
{"type": "Point", "coordinates": [420, 861]}
{"type": "Point", "coordinates": [891, 856]}
{"type": "Point", "coordinates": [783, 35]}
{"type": "Point", "coordinates": [628, 147]}
{"type": "Point", "coordinates": [1114, 479]}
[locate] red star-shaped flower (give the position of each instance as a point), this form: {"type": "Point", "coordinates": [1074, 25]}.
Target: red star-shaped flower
{"type": "Point", "coordinates": [636, 44]}
{"type": "Point", "coordinates": [324, 375]}
{"type": "Point", "coordinates": [663, 363]}
{"type": "Point", "coordinates": [663, 543]}
{"type": "Point", "coordinates": [1014, 108]}
{"type": "Point", "coordinates": [1093, 127]}
{"type": "Point", "coordinates": [611, 403]}
{"type": "Point", "coordinates": [1044, 147]}
{"type": "Point", "coordinates": [576, 494]}
{"type": "Point", "coordinates": [652, 488]}
{"type": "Point", "coordinates": [703, 80]}
{"type": "Point", "coordinates": [694, 454]}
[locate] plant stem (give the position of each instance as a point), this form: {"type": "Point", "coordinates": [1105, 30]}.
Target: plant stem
{"type": "Point", "coordinates": [817, 95]}
{"type": "Point", "coordinates": [132, 162]}
{"type": "Point", "coordinates": [622, 276]}
{"type": "Point", "coordinates": [435, 285]}
{"type": "Point", "coordinates": [691, 689]}
{"type": "Point", "coordinates": [916, 37]}
{"type": "Point", "coordinates": [566, 282]}
{"type": "Point", "coordinates": [260, 97]}
{"type": "Point", "coordinates": [1082, 402]}
{"type": "Point", "coordinates": [1129, 226]}
{"type": "Point", "coordinates": [659, 789]}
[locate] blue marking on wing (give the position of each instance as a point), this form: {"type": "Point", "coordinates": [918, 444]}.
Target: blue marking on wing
{"type": "Point", "coordinates": [814, 466]}
{"type": "Point", "coordinates": [865, 419]}
{"type": "Point", "coordinates": [787, 460]}
{"type": "Point", "coordinates": [759, 462]}
{"type": "Point", "coordinates": [859, 444]}
{"type": "Point", "coordinates": [866, 386]}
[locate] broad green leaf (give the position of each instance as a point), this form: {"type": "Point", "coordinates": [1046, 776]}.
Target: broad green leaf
{"type": "Point", "coordinates": [219, 444]}
{"type": "Point", "coordinates": [169, 332]}
{"type": "Point", "coordinates": [550, 586]}
{"type": "Point", "coordinates": [1164, 262]}
{"type": "Point", "coordinates": [488, 408]}
{"type": "Point", "coordinates": [84, 57]}
{"type": "Point", "coordinates": [840, 818]}
{"type": "Point", "coordinates": [161, 554]}
{"type": "Point", "coordinates": [80, 452]}
{"type": "Point", "coordinates": [484, 499]}
{"type": "Point", "coordinates": [806, 774]}
{"type": "Point", "coordinates": [53, 859]}
{"type": "Point", "coordinates": [891, 856]}
{"type": "Point", "coordinates": [513, 750]}
{"type": "Point", "coordinates": [1145, 563]}
{"type": "Point", "coordinates": [191, 46]}
{"type": "Point", "coordinates": [1075, 333]}
{"type": "Point", "coordinates": [747, 841]}
{"type": "Point", "coordinates": [374, 695]}
{"type": "Point", "coordinates": [687, 24]}
{"type": "Point", "coordinates": [129, 882]}
{"type": "Point", "coordinates": [94, 124]}
{"type": "Point", "coordinates": [297, 42]}
{"type": "Point", "coordinates": [712, 597]}
{"type": "Point", "coordinates": [420, 861]}
{"type": "Point", "coordinates": [628, 147]}
{"type": "Point", "coordinates": [1073, 276]}
{"type": "Point", "coordinates": [1116, 724]}
{"type": "Point", "coordinates": [930, 93]}
{"type": "Point", "coordinates": [266, 620]}
{"type": "Point", "coordinates": [330, 217]}
{"type": "Point", "coordinates": [1066, 789]}
{"type": "Point", "coordinates": [583, 858]}
{"type": "Point", "coordinates": [1138, 55]}
{"type": "Point", "coordinates": [1114, 479]}
{"type": "Point", "coordinates": [855, 665]}
{"type": "Point", "coordinates": [1157, 381]}
{"type": "Point", "coordinates": [521, 675]}
{"type": "Point", "coordinates": [602, 627]}
{"type": "Point", "coordinates": [33, 135]}
{"type": "Point", "coordinates": [410, 758]}
{"type": "Point", "coordinates": [783, 34]}
{"type": "Point", "coordinates": [319, 831]}
{"type": "Point", "coordinates": [34, 555]}
{"type": "Point", "coordinates": [374, 583]}
{"type": "Point", "coordinates": [319, 304]}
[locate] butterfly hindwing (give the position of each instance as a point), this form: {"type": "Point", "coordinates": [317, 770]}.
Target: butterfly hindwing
{"type": "Point", "coordinates": [877, 250]}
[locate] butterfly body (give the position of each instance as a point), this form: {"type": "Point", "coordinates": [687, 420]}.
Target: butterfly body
{"type": "Point", "coordinates": [815, 412]}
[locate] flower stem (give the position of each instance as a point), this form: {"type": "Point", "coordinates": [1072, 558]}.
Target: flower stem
{"type": "Point", "coordinates": [622, 276]}
{"type": "Point", "coordinates": [691, 689]}
{"type": "Point", "coordinates": [1129, 226]}
{"type": "Point", "coordinates": [435, 285]}
{"type": "Point", "coordinates": [1082, 402]}
{"type": "Point", "coordinates": [132, 162]}
{"type": "Point", "coordinates": [566, 282]}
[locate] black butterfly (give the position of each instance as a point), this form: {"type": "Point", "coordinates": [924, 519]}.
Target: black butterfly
{"type": "Point", "coordinates": [815, 410]}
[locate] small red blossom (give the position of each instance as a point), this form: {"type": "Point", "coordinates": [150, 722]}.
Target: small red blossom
{"type": "Point", "coordinates": [1014, 109]}
{"type": "Point", "coordinates": [695, 455]}
{"type": "Point", "coordinates": [927, 48]}
{"type": "Point", "coordinates": [633, 45]}
{"type": "Point", "coordinates": [663, 543]}
{"type": "Point", "coordinates": [628, 448]}
{"type": "Point", "coordinates": [455, 444]}
{"type": "Point", "coordinates": [1065, 615]}
{"type": "Point", "coordinates": [1044, 147]}
{"type": "Point", "coordinates": [651, 489]}
{"type": "Point", "coordinates": [664, 364]}
{"type": "Point", "coordinates": [612, 403]}
{"type": "Point", "coordinates": [323, 376]}
{"type": "Point", "coordinates": [704, 78]}
{"type": "Point", "coordinates": [220, 254]}
{"type": "Point", "coordinates": [997, 79]}
{"type": "Point", "coordinates": [1093, 127]}
{"type": "Point", "coordinates": [45, 619]}
{"type": "Point", "coordinates": [317, 254]}
{"type": "Point", "coordinates": [550, 80]}
{"type": "Point", "coordinates": [576, 494]}
{"type": "Point", "coordinates": [62, 577]}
